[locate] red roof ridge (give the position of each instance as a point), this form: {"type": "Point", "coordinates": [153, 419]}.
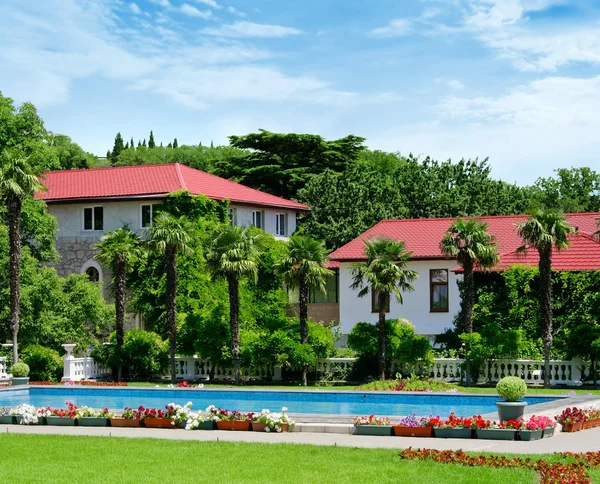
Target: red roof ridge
{"type": "Point", "coordinates": [100, 168]}
{"type": "Point", "coordinates": [392, 220]}
{"type": "Point", "coordinates": [180, 176]}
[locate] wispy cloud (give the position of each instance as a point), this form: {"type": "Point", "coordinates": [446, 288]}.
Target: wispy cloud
{"type": "Point", "coordinates": [210, 3]}
{"type": "Point", "coordinates": [192, 11]}
{"type": "Point", "coordinates": [162, 3]}
{"type": "Point", "coordinates": [455, 84]}
{"type": "Point", "coordinates": [235, 11]}
{"type": "Point", "coordinates": [134, 8]}
{"type": "Point", "coordinates": [246, 29]}
{"type": "Point", "coordinates": [395, 28]}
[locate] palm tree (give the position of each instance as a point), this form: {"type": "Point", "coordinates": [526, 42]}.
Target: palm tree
{"type": "Point", "coordinates": [17, 180]}
{"type": "Point", "coordinates": [543, 231]}
{"type": "Point", "coordinates": [171, 236]}
{"type": "Point", "coordinates": [384, 272]}
{"type": "Point", "coordinates": [473, 246]}
{"type": "Point", "coordinates": [232, 255]}
{"type": "Point", "coordinates": [302, 267]}
{"type": "Point", "coordinates": [119, 249]}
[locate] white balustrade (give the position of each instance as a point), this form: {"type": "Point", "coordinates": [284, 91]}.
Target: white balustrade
{"type": "Point", "coordinates": [3, 368]}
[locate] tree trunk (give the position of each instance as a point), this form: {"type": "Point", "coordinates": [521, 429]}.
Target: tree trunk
{"type": "Point", "coordinates": [14, 204]}
{"type": "Point", "coordinates": [593, 364]}
{"type": "Point", "coordinates": [303, 303]}
{"type": "Point", "coordinates": [468, 303]}
{"type": "Point", "coordinates": [545, 267]}
{"type": "Point", "coordinates": [120, 273]}
{"type": "Point", "coordinates": [234, 323]}
{"type": "Point", "coordinates": [172, 307]}
{"type": "Point", "coordinates": [382, 333]}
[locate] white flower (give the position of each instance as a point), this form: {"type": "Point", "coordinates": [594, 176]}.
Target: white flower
{"type": "Point", "coordinates": [284, 409]}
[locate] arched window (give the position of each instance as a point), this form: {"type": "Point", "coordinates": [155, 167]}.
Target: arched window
{"type": "Point", "coordinates": [93, 274]}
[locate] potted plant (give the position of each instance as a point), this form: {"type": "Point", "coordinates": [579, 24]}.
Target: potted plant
{"type": "Point", "coordinates": [413, 426]}
{"type": "Point", "coordinates": [179, 414]}
{"type": "Point", "coordinates": [6, 417]}
{"type": "Point", "coordinates": [63, 416]}
{"type": "Point", "coordinates": [200, 421]}
{"type": "Point", "coordinates": [222, 417]}
{"type": "Point", "coordinates": [511, 390]}
{"type": "Point", "coordinates": [267, 421]}
{"type": "Point", "coordinates": [20, 374]}
{"type": "Point", "coordinates": [129, 418]}
{"type": "Point", "coordinates": [88, 417]}
{"type": "Point", "coordinates": [241, 421]}
{"type": "Point", "coordinates": [571, 419]}
{"type": "Point", "coordinates": [25, 414]}
{"type": "Point", "coordinates": [372, 425]}
{"type": "Point", "coordinates": [498, 431]}
{"type": "Point", "coordinates": [453, 427]}
{"type": "Point", "coordinates": [158, 419]}
{"type": "Point", "coordinates": [531, 429]}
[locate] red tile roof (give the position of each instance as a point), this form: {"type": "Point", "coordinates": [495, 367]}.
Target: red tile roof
{"type": "Point", "coordinates": [149, 180]}
{"type": "Point", "coordinates": [423, 236]}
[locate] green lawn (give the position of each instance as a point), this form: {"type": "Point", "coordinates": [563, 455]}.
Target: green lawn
{"type": "Point", "coordinates": [58, 459]}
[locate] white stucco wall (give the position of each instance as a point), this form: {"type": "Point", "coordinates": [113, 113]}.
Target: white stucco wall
{"type": "Point", "coordinates": [121, 213]}
{"type": "Point", "coordinates": [416, 304]}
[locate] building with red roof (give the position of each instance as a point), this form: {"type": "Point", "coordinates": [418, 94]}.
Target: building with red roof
{"type": "Point", "coordinates": [436, 299]}
{"type": "Point", "coordinates": [89, 203]}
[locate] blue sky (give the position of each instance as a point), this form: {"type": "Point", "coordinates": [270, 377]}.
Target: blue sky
{"type": "Point", "coordinates": [515, 80]}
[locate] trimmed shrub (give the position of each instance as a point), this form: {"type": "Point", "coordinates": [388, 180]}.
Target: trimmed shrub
{"type": "Point", "coordinates": [19, 370]}
{"type": "Point", "coordinates": [45, 363]}
{"type": "Point", "coordinates": [511, 388]}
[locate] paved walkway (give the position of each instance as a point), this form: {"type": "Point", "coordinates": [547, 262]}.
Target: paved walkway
{"type": "Point", "coordinates": [584, 441]}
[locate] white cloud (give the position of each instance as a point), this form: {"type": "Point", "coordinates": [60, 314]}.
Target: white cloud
{"type": "Point", "coordinates": [134, 8]}
{"type": "Point", "coordinates": [396, 28]}
{"type": "Point", "coordinates": [455, 84]}
{"type": "Point", "coordinates": [210, 3]}
{"type": "Point", "coordinates": [192, 11]}
{"type": "Point", "coordinates": [234, 11]}
{"type": "Point", "coordinates": [243, 29]}
{"type": "Point", "coordinates": [162, 3]}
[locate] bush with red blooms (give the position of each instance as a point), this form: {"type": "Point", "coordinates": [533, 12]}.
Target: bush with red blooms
{"type": "Point", "coordinates": [454, 422]}
{"type": "Point", "coordinates": [511, 424]}
{"type": "Point", "coordinates": [183, 384]}
{"type": "Point", "coordinates": [573, 472]}
{"type": "Point", "coordinates": [69, 412]}
{"type": "Point", "coordinates": [571, 415]}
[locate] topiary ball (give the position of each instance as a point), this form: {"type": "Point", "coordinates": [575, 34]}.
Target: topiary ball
{"type": "Point", "coordinates": [511, 388]}
{"type": "Point", "coordinates": [19, 370]}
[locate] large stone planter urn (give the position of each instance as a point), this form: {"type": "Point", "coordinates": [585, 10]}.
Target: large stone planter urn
{"type": "Point", "coordinates": [511, 410]}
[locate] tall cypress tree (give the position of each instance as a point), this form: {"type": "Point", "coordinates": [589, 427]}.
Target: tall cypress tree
{"type": "Point", "coordinates": [175, 143]}
{"type": "Point", "coordinates": [170, 145]}
{"type": "Point", "coordinates": [144, 143]}
{"type": "Point", "coordinates": [161, 144]}
{"type": "Point", "coordinates": [108, 155]}
{"type": "Point", "coordinates": [139, 144]}
{"type": "Point", "coordinates": [151, 143]}
{"type": "Point", "coordinates": [117, 148]}
{"type": "Point", "coordinates": [131, 143]}
{"type": "Point", "coordinates": [127, 145]}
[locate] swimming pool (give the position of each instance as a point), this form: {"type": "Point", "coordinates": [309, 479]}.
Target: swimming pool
{"type": "Point", "coordinates": [312, 402]}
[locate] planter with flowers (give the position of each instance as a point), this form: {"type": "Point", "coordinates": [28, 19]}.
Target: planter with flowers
{"type": "Point", "coordinates": [25, 414]}
{"type": "Point", "coordinates": [6, 417]}
{"type": "Point", "coordinates": [593, 419]}
{"type": "Point", "coordinates": [158, 419]}
{"type": "Point", "coordinates": [233, 420]}
{"type": "Point", "coordinates": [129, 418]}
{"type": "Point", "coordinates": [413, 426]}
{"type": "Point", "coordinates": [267, 421]}
{"type": "Point", "coordinates": [537, 427]}
{"type": "Point", "coordinates": [571, 419]}
{"type": "Point", "coordinates": [19, 374]}
{"type": "Point", "coordinates": [64, 417]}
{"type": "Point", "coordinates": [372, 425]}
{"type": "Point", "coordinates": [179, 414]}
{"type": "Point", "coordinates": [498, 431]}
{"type": "Point", "coordinates": [511, 389]}
{"type": "Point", "coordinates": [88, 417]}
{"type": "Point", "coordinates": [200, 421]}
{"type": "Point", "coordinates": [453, 427]}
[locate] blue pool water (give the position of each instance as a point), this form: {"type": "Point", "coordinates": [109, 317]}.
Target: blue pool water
{"type": "Point", "coordinates": [325, 402]}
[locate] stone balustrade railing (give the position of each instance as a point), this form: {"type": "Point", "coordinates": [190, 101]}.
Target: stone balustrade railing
{"type": "Point", "coordinates": [563, 372]}
{"type": "Point", "coordinates": [4, 367]}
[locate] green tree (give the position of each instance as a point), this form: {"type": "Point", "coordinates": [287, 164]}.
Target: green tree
{"type": "Point", "coordinates": [302, 267]}
{"type": "Point", "coordinates": [233, 255]}
{"type": "Point", "coordinates": [119, 250]}
{"type": "Point", "coordinates": [385, 272]}
{"type": "Point", "coordinates": [127, 145]}
{"type": "Point", "coordinates": [175, 144]}
{"type": "Point", "coordinates": [170, 235]}
{"type": "Point", "coordinates": [281, 164]}
{"type": "Point", "coordinates": [544, 231]}
{"type": "Point", "coordinates": [151, 143]}
{"type": "Point", "coordinates": [570, 190]}
{"type": "Point", "coordinates": [70, 155]}
{"type": "Point", "coordinates": [17, 180]}
{"type": "Point", "coordinates": [131, 144]}
{"type": "Point", "coordinates": [118, 146]}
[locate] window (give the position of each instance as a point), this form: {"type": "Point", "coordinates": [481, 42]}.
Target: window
{"type": "Point", "coordinates": [148, 214]}
{"type": "Point", "coordinates": [280, 225]}
{"type": "Point", "coordinates": [330, 295]}
{"type": "Point", "coordinates": [93, 218]}
{"type": "Point", "coordinates": [375, 302]}
{"type": "Point", "coordinates": [93, 274]}
{"type": "Point", "coordinates": [438, 281]}
{"type": "Point", "coordinates": [232, 213]}
{"type": "Point", "coordinates": [258, 219]}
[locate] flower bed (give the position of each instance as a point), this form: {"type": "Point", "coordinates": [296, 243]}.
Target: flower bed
{"type": "Point", "coordinates": [574, 419]}
{"type": "Point", "coordinates": [372, 425]}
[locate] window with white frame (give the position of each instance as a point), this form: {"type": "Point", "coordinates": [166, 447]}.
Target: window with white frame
{"type": "Point", "coordinates": [280, 224]}
{"type": "Point", "coordinates": [232, 213]}
{"type": "Point", "coordinates": [258, 219]}
{"type": "Point", "coordinates": [93, 218]}
{"type": "Point", "coordinates": [147, 214]}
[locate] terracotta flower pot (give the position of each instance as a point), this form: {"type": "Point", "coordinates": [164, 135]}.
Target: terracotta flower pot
{"type": "Point", "coordinates": [124, 422]}
{"type": "Point", "coordinates": [574, 427]}
{"type": "Point", "coordinates": [285, 427]}
{"type": "Point", "coordinates": [225, 425]}
{"type": "Point", "coordinates": [243, 425]}
{"type": "Point", "coordinates": [586, 425]}
{"type": "Point", "coordinates": [159, 423]}
{"type": "Point", "coordinates": [403, 431]}
{"type": "Point", "coordinates": [258, 427]}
